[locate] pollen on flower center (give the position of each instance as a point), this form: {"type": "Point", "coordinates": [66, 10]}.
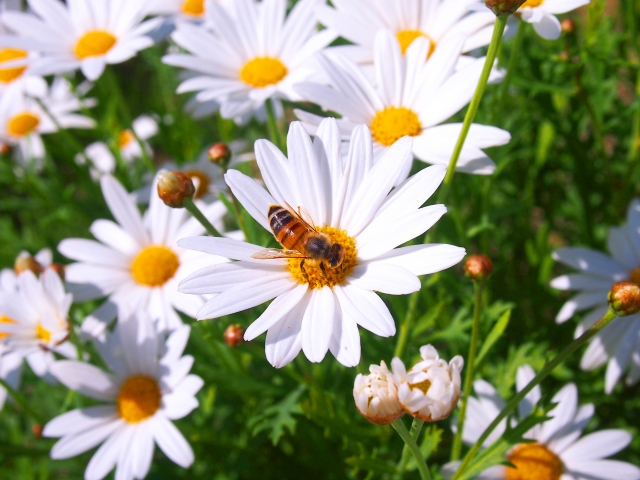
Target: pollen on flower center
{"type": "Point", "coordinates": [94, 43]}
{"type": "Point", "coordinates": [635, 276]}
{"type": "Point", "coordinates": [22, 124]}
{"type": "Point", "coordinates": [532, 3]}
{"type": "Point", "coordinates": [534, 461]}
{"type": "Point", "coordinates": [154, 265]}
{"type": "Point", "coordinates": [139, 398]}
{"type": "Point", "coordinates": [9, 74]}
{"type": "Point", "coordinates": [126, 137]}
{"type": "Point", "coordinates": [203, 182]}
{"type": "Point", "coordinates": [311, 272]}
{"type": "Point", "coordinates": [406, 38]}
{"type": "Point", "coordinates": [424, 386]}
{"type": "Point", "coordinates": [5, 319]}
{"type": "Point", "coordinates": [43, 334]}
{"type": "Point", "coordinates": [194, 8]}
{"type": "Point", "coordinates": [393, 123]}
{"type": "Point", "coordinates": [263, 71]}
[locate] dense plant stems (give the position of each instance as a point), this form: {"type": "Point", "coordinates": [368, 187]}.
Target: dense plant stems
{"type": "Point", "coordinates": [413, 448]}
{"type": "Point", "coordinates": [195, 211]}
{"type": "Point", "coordinates": [21, 401]}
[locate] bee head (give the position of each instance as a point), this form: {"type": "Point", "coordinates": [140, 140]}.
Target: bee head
{"type": "Point", "coordinates": [336, 255]}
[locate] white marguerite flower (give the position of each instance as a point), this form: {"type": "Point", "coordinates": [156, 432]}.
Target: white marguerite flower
{"type": "Point", "coordinates": [376, 395]}
{"type": "Point", "coordinates": [540, 13]}
{"type": "Point", "coordinates": [556, 452]}
{"type": "Point", "coordinates": [619, 342]}
{"type": "Point", "coordinates": [430, 390]}
{"type": "Point", "coordinates": [248, 52]}
{"type": "Point", "coordinates": [193, 10]}
{"type": "Point", "coordinates": [137, 261]}
{"type": "Point", "coordinates": [318, 305]}
{"type": "Point", "coordinates": [411, 97]}
{"type": "Point", "coordinates": [84, 34]}
{"type": "Point", "coordinates": [149, 386]}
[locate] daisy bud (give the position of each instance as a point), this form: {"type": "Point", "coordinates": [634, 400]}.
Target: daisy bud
{"type": "Point", "coordinates": [5, 148]}
{"type": "Point", "coordinates": [219, 153]}
{"type": "Point", "coordinates": [478, 267]}
{"type": "Point", "coordinates": [568, 25]}
{"type": "Point", "coordinates": [26, 262]}
{"type": "Point", "coordinates": [624, 298]}
{"type": "Point", "coordinates": [430, 390]}
{"type": "Point", "coordinates": [37, 430]}
{"type": "Point", "coordinates": [234, 335]}
{"type": "Point", "coordinates": [376, 395]}
{"type": "Point", "coordinates": [501, 7]}
{"type": "Point", "coordinates": [174, 188]}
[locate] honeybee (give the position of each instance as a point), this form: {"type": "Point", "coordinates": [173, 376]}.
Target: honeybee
{"type": "Point", "coordinates": [300, 239]}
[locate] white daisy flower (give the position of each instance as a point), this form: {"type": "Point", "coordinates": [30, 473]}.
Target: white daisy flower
{"type": "Point", "coordinates": [193, 10]}
{"type": "Point", "coordinates": [540, 13]}
{"type": "Point", "coordinates": [248, 52]}
{"type": "Point", "coordinates": [556, 452]}
{"type": "Point", "coordinates": [102, 160]}
{"type": "Point", "coordinates": [619, 342]}
{"type": "Point", "coordinates": [84, 34]}
{"type": "Point", "coordinates": [137, 261]}
{"type": "Point", "coordinates": [319, 303]}
{"type": "Point", "coordinates": [147, 388]}
{"type": "Point", "coordinates": [412, 97]}
{"type": "Point", "coordinates": [376, 395]}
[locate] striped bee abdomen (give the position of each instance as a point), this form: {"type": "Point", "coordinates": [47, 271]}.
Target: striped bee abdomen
{"type": "Point", "coordinates": [287, 229]}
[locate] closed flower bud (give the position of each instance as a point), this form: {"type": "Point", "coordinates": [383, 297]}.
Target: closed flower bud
{"type": "Point", "coordinates": [219, 153]}
{"type": "Point", "coordinates": [234, 335]}
{"type": "Point", "coordinates": [376, 395]}
{"type": "Point", "coordinates": [624, 298]}
{"type": "Point", "coordinates": [26, 262]}
{"type": "Point", "coordinates": [174, 188]}
{"type": "Point", "coordinates": [502, 7]}
{"type": "Point", "coordinates": [567, 25]}
{"type": "Point", "coordinates": [430, 390]}
{"type": "Point", "coordinates": [478, 267]}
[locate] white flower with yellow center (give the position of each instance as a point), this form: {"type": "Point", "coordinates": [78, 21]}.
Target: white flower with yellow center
{"type": "Point", "coordinates": [137, 262]}
{"type": "Point", "coordinates": [149, 386]}
{"type": "Point", "coordinates": [556, 452]}
{"type": "Point", "coordinates": [84, 34]}
{"type": "Point", "coordinates": [376, 395]}
{"type": "Point", "coordinates": [619, 342]}
{"type": "Point", "coordinates": [411, 97]}
{"type": "Point", "coordinates": [193, 10]}
{"type": "Point", "coordinates": [248, 52]}
{"type": "Point", "coordinates": [541, 14]}
{"type": "Point", "coordinates": [350, 210]}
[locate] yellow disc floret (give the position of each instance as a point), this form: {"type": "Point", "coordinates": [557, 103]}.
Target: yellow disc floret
{"type": "Point", "coordinates": [126, 137]}
{"type": "Point", "coordinates": [154, 266]}
{"type": "Point", "coordinates": [43, 334]}
{"type": "Point", "coordinates": [6, 55]}
{"type": "Point", "coordinates": [94, 44]}
{"type": "Point", "coordinates": [5, 319]}
{"type": "Point", "coordinates": [424, 386]}
{"type": "Point", "coordinates": [393, 123]}
{"type": "Point", "coordinates": [195, 8]}
{"type": "Point", "coordinates": [203, 182]}
{"type": "Point", "coordinates": [532, 3]}
{"type": "Point", "coordinates": [22, 124]}
{"type": "Point", "coordinates": [139, 398]}
{"type": "Point", "coordinates": [263, 71]}
{"type": "Point", "coordinates": [534, 461]}
{"type": "Point", "coordinates": [406, 38]}
{"type": "Point", "coordinates": [635, 276]}
{"type": "Point", "coordinates": [311, 273]}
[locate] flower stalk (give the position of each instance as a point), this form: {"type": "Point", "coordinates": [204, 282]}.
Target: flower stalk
{"type": "Point", "coordinates": [416, 428]}
{"type": "Point", "coordinates": [197, 213]}
{"type": "Point", "coordinates": [411, 444]}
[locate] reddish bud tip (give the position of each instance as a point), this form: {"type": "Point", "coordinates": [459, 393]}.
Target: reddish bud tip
{"type": "Point", "coordinates": [58, 268]}
{"type": "Point", "coordinates": [624, 298]}
{"type": "Point", "coordinates": [174, 188]}
{"type": "Point", "coordinates": [26, 262]}
{"type": "Point", "coordinates": [219, 153]}
{"type": "Point", "coordinates": [503, 7]}
{"type": "Point", "coordinates": [5, 148]}
{"type": "Point", "coordinates": [478, 267]}
{"type": "Point", "coordinates": [37, 430]}
{"type": "Point", "coordinates": [234, 335]}
{"type": "Point", "coordinates": [568, 25]}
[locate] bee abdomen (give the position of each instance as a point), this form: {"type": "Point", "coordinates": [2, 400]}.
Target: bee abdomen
{"type": "Point", "coordinates": [286, 228]}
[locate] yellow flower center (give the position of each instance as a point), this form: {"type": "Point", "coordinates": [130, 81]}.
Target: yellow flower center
{"type": "Point", "coordinates": [154, 265]}
{"type": "Point", "coordinates": [406, 38]}
{"type": "Point", "coordinates": [194, 8]}
{"type": "Point", "coordinates": [532, 3]}
{"type": "Point", "coordinates": [43, 334]}
{"type": "Point", "coordinates": [203, 182]}
{"type": "Point", "coordinates": [534, 462]}
{"type": "Point", "coordinates": [126, 137]}
{"type": "Point", "coordinates": [311, 272]}
{"type": "Point", "coordinates": [5, 319]}
{"type": "Point", "coordinates": [424, 386]}
{"type": "Point", "coordinates": [393, 123]}
{"type": "Point", "coordinates": [9, 74]}
{"type": "Point", "coordinates": [22, 124]}
{"type": "Point", "coordinates": [635, 276]}
{"type": "Point", "coordinates": [139, 398]}
{"type": "Point", "coordinates": [94, 44]}
{"type": "Point", "coordinates": [263, 71]}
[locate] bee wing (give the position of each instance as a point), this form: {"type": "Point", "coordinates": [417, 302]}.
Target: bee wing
{"type": "Point", "coordinates": [303, 216]}
{"type": "Point", "coordinates": [270, 253]}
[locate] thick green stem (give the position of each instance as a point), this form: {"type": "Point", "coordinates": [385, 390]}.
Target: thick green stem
{"type": "Point", "coordinates": [21, 401]}
{"type": "Point", "coordinates": [498, 30]}
{"type": "Point", "coordinates": [414, 431]}
{"type": "Point", "coordinates": [406, 324]}
{"type": "Point", "coordinates": [195, 211]}
{"type": "Point", "coordinates": [471, 360]}
{"type": "Point", "coordinates": [548, 368]}
{"type": "Point", "coordinates": [272, 124]}
{"type": "Point", "coordinates": [413, 448]}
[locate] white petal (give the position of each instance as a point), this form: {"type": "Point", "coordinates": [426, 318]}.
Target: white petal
{"type": "Point", "coordinates": [78, 420]}
{"type": "Point", "coordinates": [77, 443]}
{"type": "Point", "coordinates": [171, 441]}
{"type": "Point", "coordinates": [366, 308]}
{"type": "Point", "coordinates": [86, 379]}
{"type": "Point", "coordinates": [596, 446]}
{"type": "Point", "coordinates": [607, 470]}
{"type": "Point", "coordinates": [317, 324]}
{"type": "Point", "coordinates": [591, 261]}
{"type": "Point", "coordinates": [124, 209]}
{"type": "Point", "coordinates": [388, 278]}
{"type": "Point", "coordinates": [280, 307]}
{"type": "Point", "coordinates": [284, 339]}
{"type": "Point", "coordinates": [524, 375]}
{"type": "Point", "coordinates": [345, 340]}
{"type": "Point", "coordinates": [423, 259]}
{"type": "Point", "coordinates": [251, 195]}
{"type": "Point", "coordinates": [548, 27]}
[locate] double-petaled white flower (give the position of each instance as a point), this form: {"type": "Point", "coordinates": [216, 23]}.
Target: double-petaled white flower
{"type": "Point", "coordinates": [376, 395]}
{"type": "Point", "coordinates": [541, 14]}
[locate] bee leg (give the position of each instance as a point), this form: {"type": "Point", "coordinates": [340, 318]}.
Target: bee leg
{"type": "Point", "coordinates": [304, 272]}
{"type": "Point", "coordinates": [324, 272]}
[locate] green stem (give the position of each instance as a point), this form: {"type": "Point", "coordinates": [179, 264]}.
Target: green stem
{"type": "Point", "coordinates": [498, 30]}
{"type": "Point", "coordinates": [76, 145]}
{"type": "Point", "coordinates": [272, 124]}
{"type": "Point", "coordinates": [406, 324]}
{"type": "Point", "coordinates": [195, 211]}
{"type": "Point", "coordinates": [413, 448]}
{"type": "Point", "coordinates": [511, 67]}
{"type": "Point", "coordinates": [548, 368]}
{"type": "Point", "coordinates": [471, 360]}
{"type": "Point", "coordinates": [20, 400]}
{"type": "Point", "coordinates": [414, 431]}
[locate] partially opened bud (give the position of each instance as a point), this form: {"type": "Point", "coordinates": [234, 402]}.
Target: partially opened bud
{"type": "Point", "coordinates": [174, 188]}
{"type": "Point", "coordinates": [502, 7]}
{"type": "Point", "coordinates": [234, 335]}
{"type": "Point", "coordinates": [219, 153]}
{"type": "Point", "coordinates": [624, 298]}
{"type": "Point", "coordinates": [376, 395]}
{"type": "Point", "coordinates": [478, 267]}
{"type": "Point", "coordinates": [430, 390]}
{"type": "Point", "coordinates": [26, 262]}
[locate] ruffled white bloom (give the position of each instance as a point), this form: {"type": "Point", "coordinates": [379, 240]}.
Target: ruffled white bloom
{"type": "Point", "coordinates": [541, 13]}
{"type": "Point", "coordinates": [557, 451]}
{"type": "Point", "coordinates": [431, 388]}
{"type": "Point", "coordinates": [84, 34]}
{"type": "Point", "coordinates": [376, 395]}
{"type": "Point", "coordinates": [147, 388]}
{"type": "Point", "coordinates": [8, 276]}
{"type": "Point", "coordinates": [136, 262]}
{"type": "Point", "coordinates": [411, 97]}
{"type": "Point", "coordinates": [619, 342]}
{"type": "Point", "coordinates": [248, 52]}
{"type": "Point", "coordinates": [318, 307]}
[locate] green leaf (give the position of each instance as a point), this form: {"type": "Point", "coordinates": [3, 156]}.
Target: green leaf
{"type": "Point", "coordinates": [429, 445]}
{"type": "Point", "coordinates": [278, 417]}
{"type": "Point", "coordinates": [495, 333]}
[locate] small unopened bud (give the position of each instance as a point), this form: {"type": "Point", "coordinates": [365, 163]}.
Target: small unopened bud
{"type": "Point", "coordinates": [174, 188]}
{"type": "Point", "coordinates": [37, 430]}
{"type": "Point", "coordinates": [5, 148]}
{"type": "Point", "coordinates": [430, 390]}
{"type": "Point", "coordinates": [376, 395]}
{"type": "Point", "coordinates": [478, 267]}
{"type": "Point", "coordinates": [624, 298]}
{"type": "Point", "coordinates": [234, 335]}
{"type": "Point", "coordinates": [567, 25]}
{"type": "Point", "coordinates": [503, 7]}
{"type": "Point", "coordinates": [26, 262]}
{"type": "Point", "coordinates": [219, 153]}
{"type": "Point", "coordinates": [58, 268]}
